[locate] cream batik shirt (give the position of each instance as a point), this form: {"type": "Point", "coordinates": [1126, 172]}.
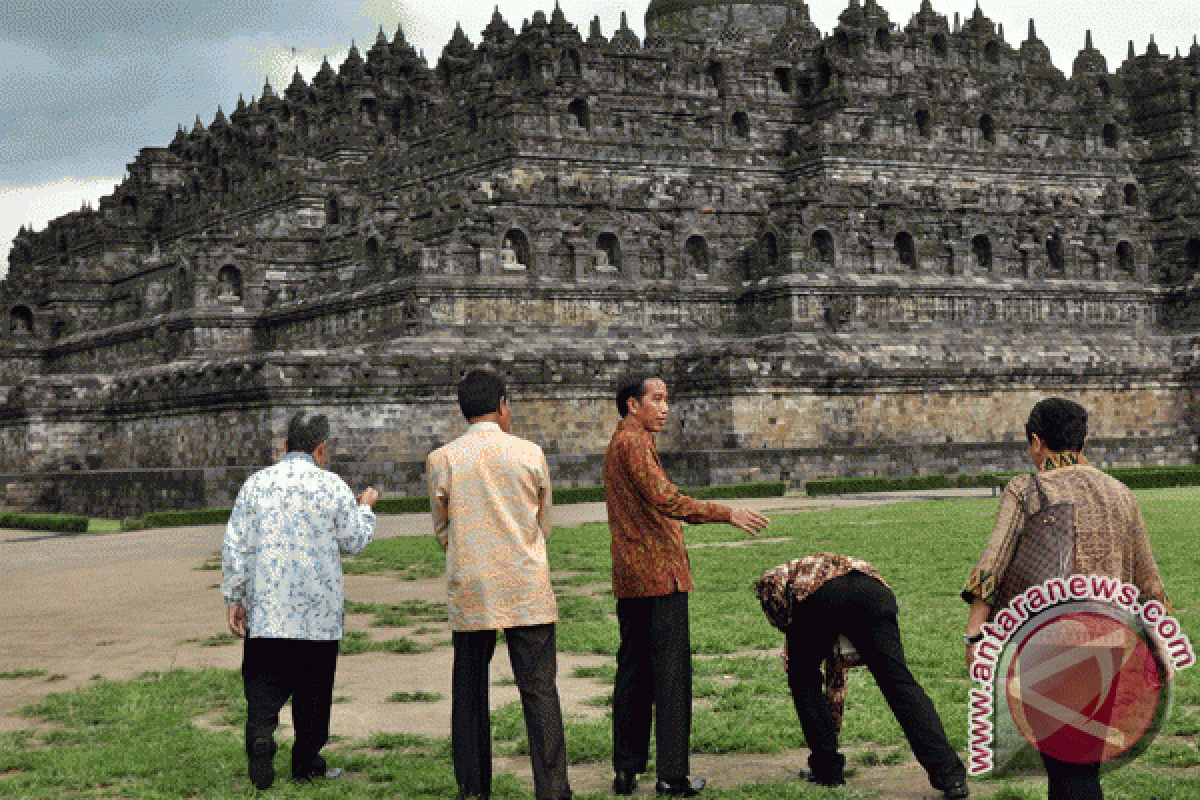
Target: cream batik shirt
{"type": "Point", "coordinates": [489, 493]}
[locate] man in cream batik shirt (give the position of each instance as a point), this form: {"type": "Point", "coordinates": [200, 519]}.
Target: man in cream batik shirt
{"type": "Point", "coordinates": [489, 494]}
{"type": "Point", "coordinates": [283, 592]}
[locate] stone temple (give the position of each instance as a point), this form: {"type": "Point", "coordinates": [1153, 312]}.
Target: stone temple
{"type": "Point", "coordinates": [861, 252]}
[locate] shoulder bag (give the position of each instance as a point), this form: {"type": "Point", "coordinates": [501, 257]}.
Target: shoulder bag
{"type": "Point", "coordinates": [1045, 547]}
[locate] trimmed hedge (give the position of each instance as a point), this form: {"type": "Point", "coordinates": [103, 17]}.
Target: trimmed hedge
{"type": "Point", "coordinates": [858, 485]}
{"type": "Point", "coordinates": [1133, 477]}
{"type": "Point", "coordinates": [59, 523]}
{"type": "Point", "coordinates": [578, 494]}
{"type": "Point", "coordinates": [1156, 477]}
{"type": "Point", "coordinates": [402, 505]}
{"type": "Point", "coordinates": [177, 519]}
{"type": "Point", "coordinates": [595, 494]}
{"type": "Point", "coordinates": [826, 486]}
{"type": "Point", "coordinates": [410, 505]}
{"type": "Point", "coordinates": [735, 490]}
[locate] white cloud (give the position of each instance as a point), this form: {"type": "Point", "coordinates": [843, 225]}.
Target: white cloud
{"type": "Point", "coordinates": [34, 206]}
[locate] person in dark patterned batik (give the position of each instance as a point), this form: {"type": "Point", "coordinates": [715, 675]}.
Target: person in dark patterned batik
{"type": "Point", "coordinates": [818, 598]}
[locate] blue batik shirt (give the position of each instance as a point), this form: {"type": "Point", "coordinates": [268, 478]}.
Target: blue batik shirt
{"type": "Point", "coordinates": [281, 561]}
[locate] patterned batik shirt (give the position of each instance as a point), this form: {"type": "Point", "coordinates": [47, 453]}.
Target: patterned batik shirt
{"type": "Point", "coordinates": [490, 496]}
{"type": "Point", "coordinates": [280, 560]}
{"type": "Point", "coordinates": [781, 587]}
{"type": "Point", "coordinates": [644, 513]}
{"type": "Point", "coordinates": [1110, 535]}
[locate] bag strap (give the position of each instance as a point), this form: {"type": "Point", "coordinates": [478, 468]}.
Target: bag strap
{"type": "Point", "coordinates": [1033, 486]}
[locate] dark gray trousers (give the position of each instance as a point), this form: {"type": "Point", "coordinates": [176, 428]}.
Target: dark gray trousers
{"type": "Point", "coordinates": [1072, 781]}
{"type": "Point", "coordinates": [531, 649]}
{"type": "Point", "coordinates": [863, 609]}
{"type": "Point", "coordinates": [654, 682]}
{"type": "Point", "coordinates": [274, 670]}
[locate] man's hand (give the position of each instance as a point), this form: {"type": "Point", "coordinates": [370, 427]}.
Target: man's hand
{"type": "Point", "coordinates": [972, 652]}
{"type": "Point", "coordinates": [368, 497]}
{"type": "Point", "coordinates": [237, 620]}
{"type": "Point", "coordinates": [748, 520]}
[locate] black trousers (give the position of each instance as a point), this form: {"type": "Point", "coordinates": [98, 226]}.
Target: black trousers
{"type": "Point", "coordinates": [274, 670]}
{"type": "Point", "coordinates": [531, 649]}
{"type": "Point", "coordinates": [654, 680]}
{"type": "Point", "coordinates": [862, 608]}
{"type": "Point", "coordinates": [1066, 781]}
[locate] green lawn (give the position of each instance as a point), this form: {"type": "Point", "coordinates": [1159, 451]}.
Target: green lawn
{"type": "Point", "coordinates": [133, 739]}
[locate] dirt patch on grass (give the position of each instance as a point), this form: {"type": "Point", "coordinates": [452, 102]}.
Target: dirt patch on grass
{"type": "Point", "coordinates": [905, 781]}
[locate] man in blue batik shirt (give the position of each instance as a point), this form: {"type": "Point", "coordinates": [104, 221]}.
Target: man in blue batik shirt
{"type": "Point", "coordinates": [283, 592]}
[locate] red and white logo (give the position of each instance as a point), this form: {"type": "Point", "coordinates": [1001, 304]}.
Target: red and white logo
{"type": "Point", "coordinates": [1068, 671]}
{"type": "Point", "coordinates": [1083, 687]}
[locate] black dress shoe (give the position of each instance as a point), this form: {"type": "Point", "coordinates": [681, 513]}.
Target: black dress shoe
{"type": "Point", "coordinates": [808, 775]}
{"type": "Point", "coordinates": [684, 787]}
{"type": "Point", "coordinates": [315, 769]}
{"type": "Point", "coordinates": [261, 766]}
{"type": "Point", "coordinates": [625, 782]}
{"type": "Point", "coordinates": [955, 790]}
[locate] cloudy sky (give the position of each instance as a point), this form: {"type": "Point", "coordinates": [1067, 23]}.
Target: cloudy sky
{"type": "Point", "coordinates": [84, 84]}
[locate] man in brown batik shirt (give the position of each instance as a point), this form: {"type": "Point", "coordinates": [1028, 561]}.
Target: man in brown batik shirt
{"type": "Point", "coordinates": [651, 580]}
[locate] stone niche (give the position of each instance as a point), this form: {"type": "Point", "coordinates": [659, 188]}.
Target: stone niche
{"type": "Point", "coordinates": [864, 251]}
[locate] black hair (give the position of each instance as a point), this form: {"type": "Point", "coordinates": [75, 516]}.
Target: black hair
{"type": "Point", "coordinates": [306, 431]}
{"type": "Point", "coordinates": [479, 393]}
{"type": "Point", "coordinates": [1061, 424]}
{"type": "Point", "coordinates": [632, 386]}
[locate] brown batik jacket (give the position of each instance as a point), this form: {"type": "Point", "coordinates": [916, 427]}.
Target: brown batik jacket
{"type": "Point", "coordinates": [644, 513]}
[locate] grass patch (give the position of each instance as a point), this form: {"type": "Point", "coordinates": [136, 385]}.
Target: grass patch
{"type": "Point", "coordinates": [413, 557]}
{"type": "Point", "coordinates": [1015, 793]}
{"type": "Point", "coordinates": [219, 640]}
{"type": "Point", "coordinates": [605, 673]}
{"type": "Point", "coordinates": [399, 615]}
{"type": "Point", "coordinates": [14, 674]}
{"type": "Point", "coordinates": [1173, 754]}
{"type": "Point", "coordinates": [414, 697]}
{"type": "Point", "coordinates": [425, 629]}
{"type": "Point", "coordinates": [103, 525]}
{"type": "Point", "coordinates": [600, 701]}
{"type": "Point", "coordinates": [211, 564]}
{"type": "Point", "coordinates": [356, 643]}
{"type": "Point", "coordinates": [588, 741]}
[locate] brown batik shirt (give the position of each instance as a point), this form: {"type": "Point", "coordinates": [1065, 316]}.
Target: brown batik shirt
{"type": "Point", "coordinates": [1110, 535]}
{"type": "Point", "coordinates": [644, 513]}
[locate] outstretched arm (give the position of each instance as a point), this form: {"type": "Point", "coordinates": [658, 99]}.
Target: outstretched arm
{"type": "Point", "coordinates": [356, 519]}
{"type": "Point", "coordinates": [647, 476]}
{"type": "Point", "coordinates": [748, 519]}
